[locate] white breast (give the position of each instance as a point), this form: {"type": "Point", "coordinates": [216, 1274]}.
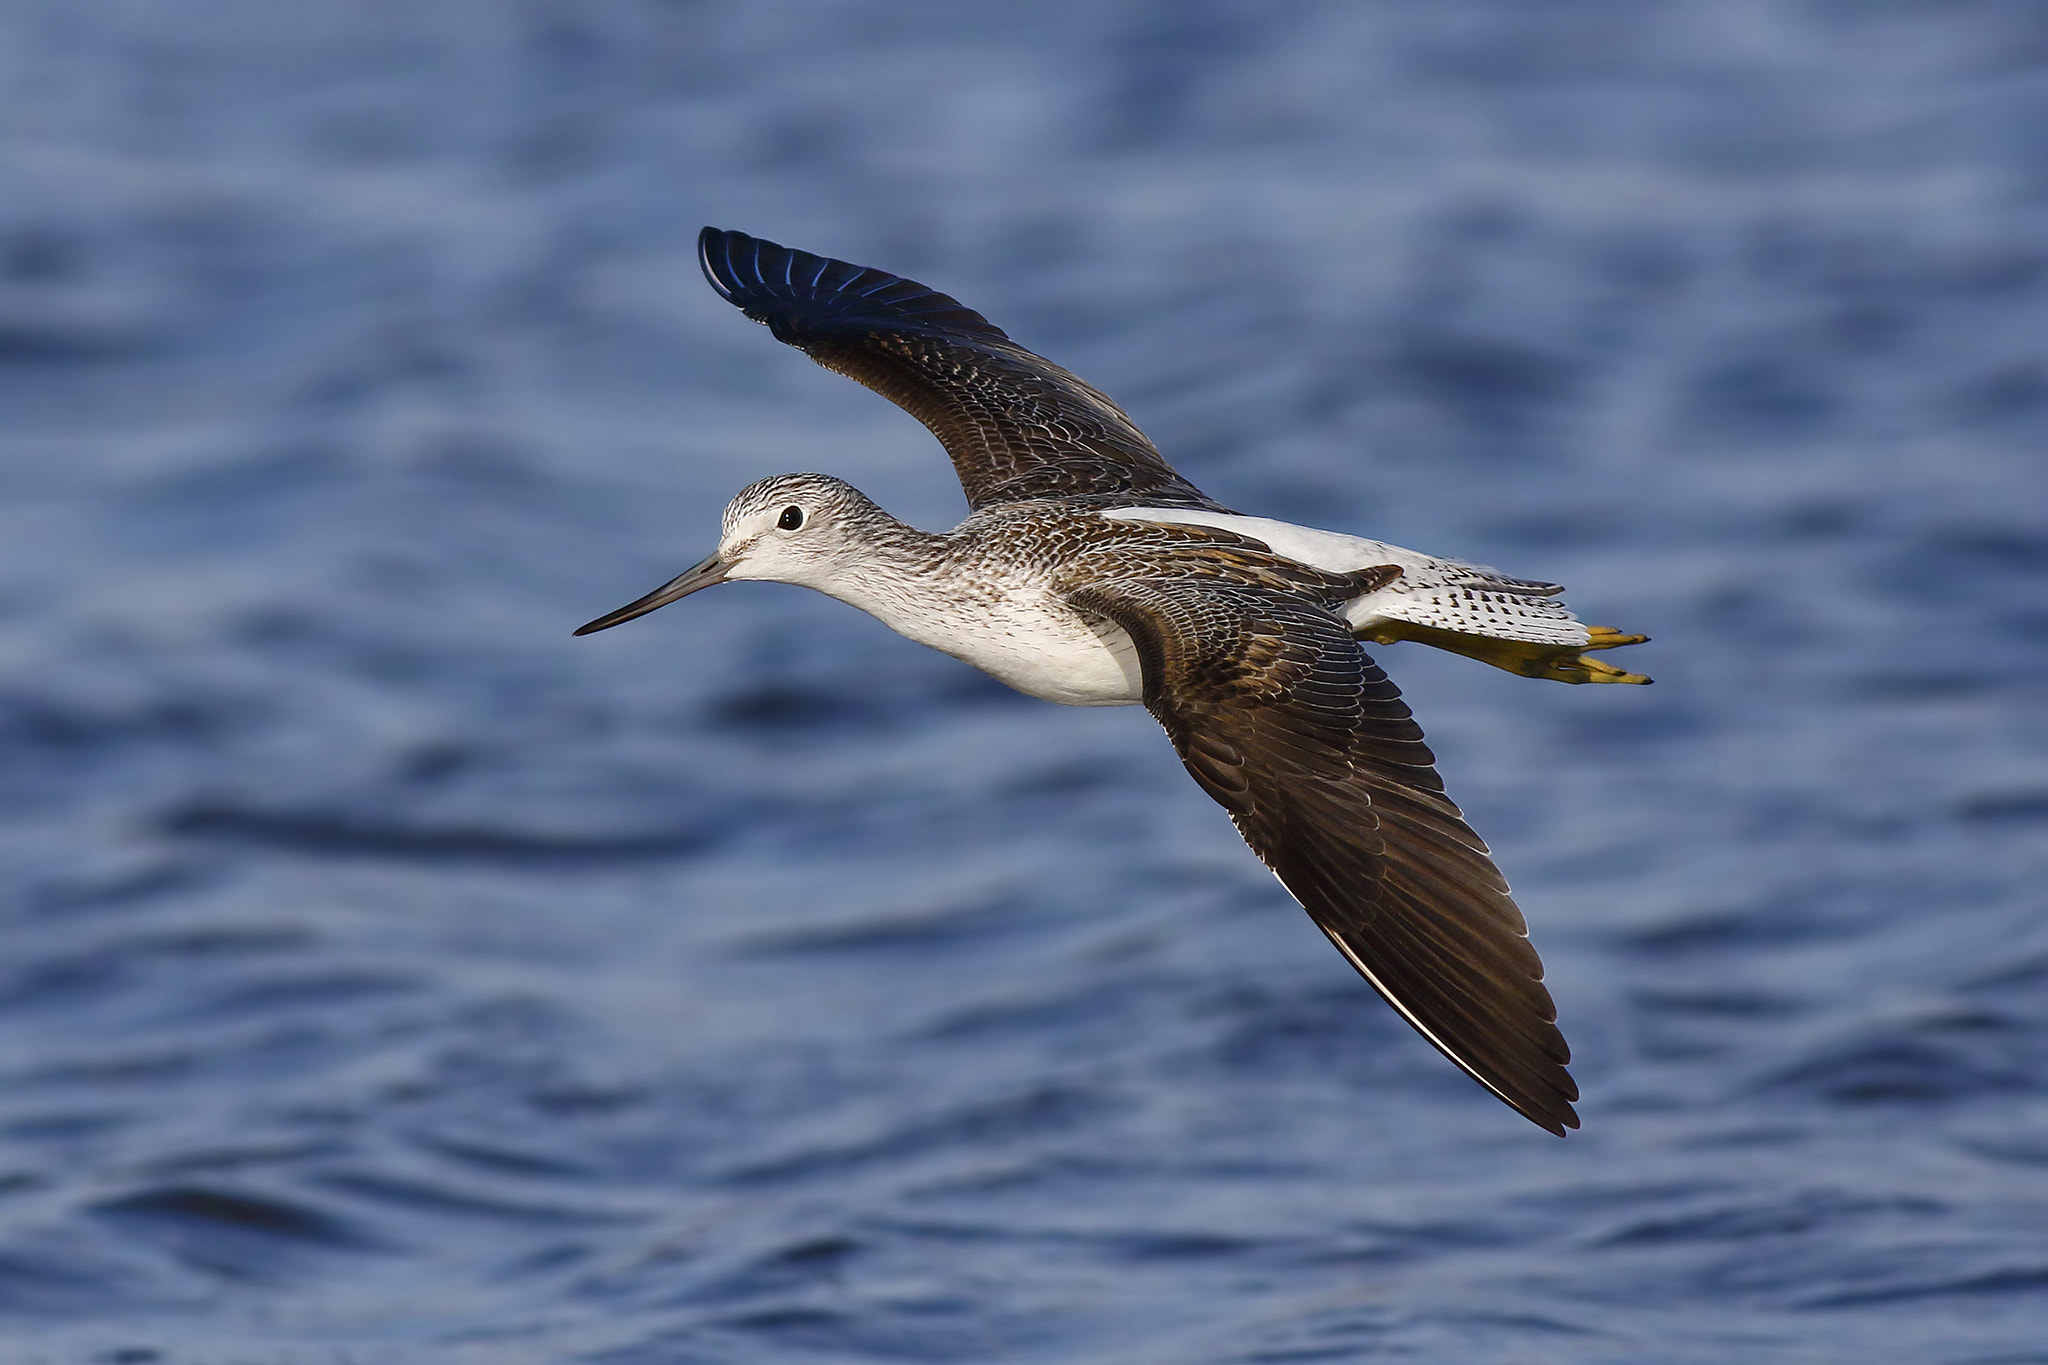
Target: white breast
{"type": "Point", "coordinates": [1054, 655]}
{"type": "Point", "coordinates": [1018, 634]}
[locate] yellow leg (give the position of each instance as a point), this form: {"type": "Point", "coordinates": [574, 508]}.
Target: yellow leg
{"type": "Point", "coordinates": [1559, 663]}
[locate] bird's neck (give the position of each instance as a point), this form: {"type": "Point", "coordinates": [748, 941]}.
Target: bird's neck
{"type": "Point", "coordinates": [898, 576]}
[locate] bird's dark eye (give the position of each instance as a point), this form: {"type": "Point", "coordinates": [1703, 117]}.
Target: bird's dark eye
{"type": "Point", "coordinates": [791, 518]}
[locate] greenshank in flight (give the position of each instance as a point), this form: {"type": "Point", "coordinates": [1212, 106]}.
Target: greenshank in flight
{"type": "Point", "coordinates": [1088, 572]}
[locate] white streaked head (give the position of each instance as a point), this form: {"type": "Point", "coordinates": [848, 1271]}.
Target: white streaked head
{"type": "Point", "coordinates": [792, 528]}
{"type": "Point", "coordinates": [795, 528]}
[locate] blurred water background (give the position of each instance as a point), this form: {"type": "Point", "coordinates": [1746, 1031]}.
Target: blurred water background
{"type": "Point", "coordinates": [388, 977]}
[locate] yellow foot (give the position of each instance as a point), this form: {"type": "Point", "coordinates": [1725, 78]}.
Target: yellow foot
{"type": "Point", "coordinates": [1559, 663]}
{"type": "Point", "coordinates": [1562, 663]}
{"type": "Point", "coordinates": [1585, 670]}
{"type": "Point", "coordinates": [1570, 668]}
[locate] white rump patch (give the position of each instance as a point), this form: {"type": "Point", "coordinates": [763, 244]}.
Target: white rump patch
{"type": "Point", "coordinates": [1447, 594]}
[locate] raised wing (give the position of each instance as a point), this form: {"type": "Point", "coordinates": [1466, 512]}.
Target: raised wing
{"type": "Point", "coordinates": [1285, 721]}
{"type": "Point", "coordinates": [1016, 426]}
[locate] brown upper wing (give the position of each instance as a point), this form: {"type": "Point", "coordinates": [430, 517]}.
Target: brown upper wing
{"type": "Point", "coordinates": [1017, 426]}
{"type": "Point", "coordinates": [1299, 735]}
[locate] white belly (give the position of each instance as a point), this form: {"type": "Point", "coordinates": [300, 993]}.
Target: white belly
{"type": "Point", "coordinates": [1025, 638]}
{"type": "Point", "coordinates": [1072, 664]}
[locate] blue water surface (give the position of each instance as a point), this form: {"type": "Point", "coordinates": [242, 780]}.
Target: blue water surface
{"type": "Point", "coordinates": [388, 977]}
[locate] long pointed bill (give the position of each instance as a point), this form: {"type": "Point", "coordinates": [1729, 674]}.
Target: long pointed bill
{"type": "Point", "coordinates": [682, 585]}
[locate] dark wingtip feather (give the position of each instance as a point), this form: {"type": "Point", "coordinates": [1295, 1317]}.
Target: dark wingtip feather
{"type": "Point", "coordinates": [803, 296]}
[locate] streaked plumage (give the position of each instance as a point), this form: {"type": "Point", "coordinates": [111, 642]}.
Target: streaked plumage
{"type": "Point", "coordinates": [1088, 572]}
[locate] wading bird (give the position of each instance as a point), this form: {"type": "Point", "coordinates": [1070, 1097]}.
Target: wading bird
{"type": "Point", "coordinates": [1088, 572]}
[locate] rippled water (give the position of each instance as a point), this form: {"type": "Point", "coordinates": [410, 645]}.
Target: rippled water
{"type": "Point", "coordinates": [389, 977]}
